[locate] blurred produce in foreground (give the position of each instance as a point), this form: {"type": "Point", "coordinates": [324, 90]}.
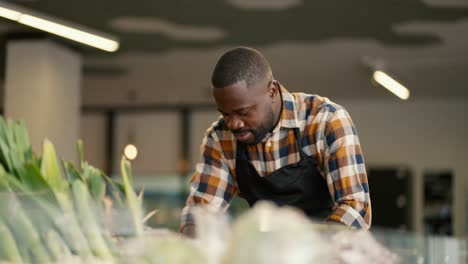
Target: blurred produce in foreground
{"type": "Point", "coordinates": [271, 234]}
{"type": "Point", "coordinates": [53, 211]}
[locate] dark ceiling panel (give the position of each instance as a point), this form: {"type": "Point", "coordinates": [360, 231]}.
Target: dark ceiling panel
{"type": "Point", "coordinates": [312, 21]}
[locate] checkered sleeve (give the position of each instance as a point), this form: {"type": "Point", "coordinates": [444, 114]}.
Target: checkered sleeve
{"type": "Point", "coordinates": [345, 171]}
{"type": "Point", "coordinates": [212, 185]}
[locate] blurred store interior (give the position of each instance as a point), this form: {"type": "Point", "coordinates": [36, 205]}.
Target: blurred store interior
{"type": "Point", "coordinates": [154, 90]}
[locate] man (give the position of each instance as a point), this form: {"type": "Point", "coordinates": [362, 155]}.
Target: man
{"type": "Point", "coordinates": [294, 149]}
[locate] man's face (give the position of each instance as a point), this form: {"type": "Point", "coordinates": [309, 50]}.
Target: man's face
{"type": "Point", "coordinates": [247, 111]}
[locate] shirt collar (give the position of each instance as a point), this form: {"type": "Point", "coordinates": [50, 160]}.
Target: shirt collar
{"type": "Point", "coordinates": [288, 112]}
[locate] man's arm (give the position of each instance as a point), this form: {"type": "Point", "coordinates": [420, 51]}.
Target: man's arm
{"type": "Point", "coordinates": [211, 185]}
{"type": "Point", "coordinates": [345, 171]}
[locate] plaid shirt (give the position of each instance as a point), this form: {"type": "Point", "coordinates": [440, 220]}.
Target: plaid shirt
{"type": "Point", "coordinates": [328, 134]}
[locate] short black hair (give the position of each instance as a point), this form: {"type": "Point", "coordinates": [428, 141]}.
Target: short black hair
{"type": "Point", "coordinates": [240, 64]}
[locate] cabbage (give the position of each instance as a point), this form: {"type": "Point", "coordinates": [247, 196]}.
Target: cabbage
{"type": "Point", "coordinates": [271, 234]}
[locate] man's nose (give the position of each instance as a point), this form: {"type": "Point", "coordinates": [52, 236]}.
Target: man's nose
{"type": "Point", "coordinates": [234, 123]}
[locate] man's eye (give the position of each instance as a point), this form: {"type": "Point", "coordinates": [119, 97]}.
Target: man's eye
{"type": "Point", "coordinates": [244, 113]}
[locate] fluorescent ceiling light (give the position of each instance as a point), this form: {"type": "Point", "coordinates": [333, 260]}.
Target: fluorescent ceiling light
{"type": "Point", "coordinates": [9, 14]}
{"type": "Point", "coordinates": [57, 27]}
{"type": "Point", "coordinates": [390, 84]}
{"type": "Point", "coordinates": [70, 33]}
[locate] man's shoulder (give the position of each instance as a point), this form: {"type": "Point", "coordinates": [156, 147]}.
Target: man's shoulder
{"type": "Point", "coordinates": [218, 125]}
{"type": "Point", "coordinates": [314, 103]}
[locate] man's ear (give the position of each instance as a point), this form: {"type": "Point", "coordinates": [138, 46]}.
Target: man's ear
{"type": "Point", "coordinates": [273, 89]}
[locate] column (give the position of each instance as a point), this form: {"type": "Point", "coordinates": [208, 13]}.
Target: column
{"type": "Point", "coordinates": [42, 87]}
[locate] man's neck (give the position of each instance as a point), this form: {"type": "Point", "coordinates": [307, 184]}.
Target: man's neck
{"type": "Point", "coordinates": [278, 108]}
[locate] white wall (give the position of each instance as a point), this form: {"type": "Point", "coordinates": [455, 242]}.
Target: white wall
{"type": "Point", "coordinates": [201, 121]}
{"type": "Point", "coordinates": [157, 137]}
{"type": "Point", "coordinates": [93, 134]}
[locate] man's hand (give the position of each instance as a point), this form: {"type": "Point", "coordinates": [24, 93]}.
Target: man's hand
{"type": "Point", "coordinates": [188, 230]}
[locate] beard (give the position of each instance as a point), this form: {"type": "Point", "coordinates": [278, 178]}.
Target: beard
{"type": "Point", "coordinates": [263, 129]}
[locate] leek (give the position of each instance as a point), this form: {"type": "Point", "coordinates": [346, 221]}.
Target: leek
{"type": "Point", "coordinates": [89, 224]}
{"type": "Point", "coordinates": [134, 205]}
{"type": "Point", "coordinates": [8, 250]}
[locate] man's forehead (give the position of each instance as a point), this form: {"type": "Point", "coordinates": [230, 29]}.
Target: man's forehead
{"type": "Point", "coordinates": [234, 103]}
{"type": "Point", "coordinates": [233, 98]}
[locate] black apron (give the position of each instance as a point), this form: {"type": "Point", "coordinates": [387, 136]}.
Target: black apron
{"type": "Point", "coordinates": [299, 184]}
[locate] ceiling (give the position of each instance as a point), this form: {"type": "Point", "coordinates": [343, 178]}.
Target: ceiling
{"type": "Point", "coordinates": [168, 48]}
